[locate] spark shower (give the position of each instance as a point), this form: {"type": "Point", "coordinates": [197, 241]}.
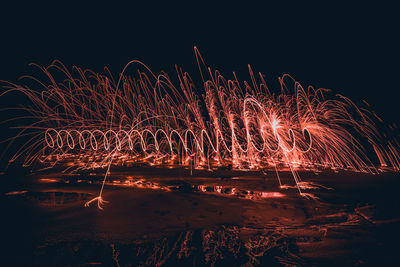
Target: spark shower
{"type": "Point", "coordinates": [85, 120]}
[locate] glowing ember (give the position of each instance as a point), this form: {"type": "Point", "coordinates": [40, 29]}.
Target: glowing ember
{"type": "Point", "coordinates": [90, 120]}
{"type": "Point", "coordinates": [16, 193]}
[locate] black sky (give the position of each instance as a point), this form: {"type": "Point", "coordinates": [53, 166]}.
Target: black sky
{"type": "Point", "coordinates": [352, 49]}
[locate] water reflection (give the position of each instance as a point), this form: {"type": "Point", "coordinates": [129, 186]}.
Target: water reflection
{"type": "Point", "coordinates": [180, 185]}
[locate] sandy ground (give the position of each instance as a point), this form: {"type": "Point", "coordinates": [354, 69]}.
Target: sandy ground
{"type": "Point", "coordinates": [169, 217]}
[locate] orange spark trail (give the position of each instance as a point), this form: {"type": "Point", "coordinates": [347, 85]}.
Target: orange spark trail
{"type": "Point", "coordinates": [91, 120]}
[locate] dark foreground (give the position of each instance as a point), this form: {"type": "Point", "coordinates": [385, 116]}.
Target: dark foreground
{"type": "Point", "coordinates": [167, 217]}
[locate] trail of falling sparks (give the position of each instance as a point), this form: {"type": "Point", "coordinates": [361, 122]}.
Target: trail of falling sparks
{"type": "Point", "coordinates": [94, 120]}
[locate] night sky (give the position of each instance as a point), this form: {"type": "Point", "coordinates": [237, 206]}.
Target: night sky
{"type": "Point", "coordinates": [352, 49]}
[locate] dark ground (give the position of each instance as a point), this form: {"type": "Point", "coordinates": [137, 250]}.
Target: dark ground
{"type": "Point", "coordinates": [167, 217]}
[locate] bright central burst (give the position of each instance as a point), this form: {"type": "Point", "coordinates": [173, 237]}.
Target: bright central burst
{"type": "Point", "coordinates": [93, 119]}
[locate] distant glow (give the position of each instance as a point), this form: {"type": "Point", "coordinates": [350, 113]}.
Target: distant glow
{"type": "Point", "coordinates": [272, 195]}
{"type": "Point", "coordinates": [48, 180]}
{"type": "Point", "coordinates": [16, 193]}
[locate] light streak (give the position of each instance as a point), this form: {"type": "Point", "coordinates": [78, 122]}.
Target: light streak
{"type": "Point", "coordinates": [90, 120]}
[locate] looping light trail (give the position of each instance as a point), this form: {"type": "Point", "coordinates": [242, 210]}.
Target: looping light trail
{"type": "Point", "coordinates": [93, 118]}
